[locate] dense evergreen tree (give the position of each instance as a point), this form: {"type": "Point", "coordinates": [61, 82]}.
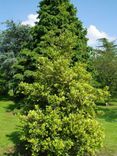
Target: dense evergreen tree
{"type": "Point", "coordinates": [55, 17]}
{"type": "Point", "coordinates": [51, 75]}
{"type": "Point", "coordinates": [63, 122]}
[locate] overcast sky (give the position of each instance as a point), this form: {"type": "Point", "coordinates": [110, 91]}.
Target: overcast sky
{"type": "Point", "coordinates": [98, 16]}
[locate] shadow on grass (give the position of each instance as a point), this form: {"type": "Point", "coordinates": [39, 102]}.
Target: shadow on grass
{"type": "Point", "coordinates": [11, 107]}
{"type": "Point", "coordinates": [4, 98]}
{"type": "Point", "coordinates": [105, 152]}
{"type": "Point", "coordinates": [108, 114]}
{"type": "Point", "coordinates": [18, 149]}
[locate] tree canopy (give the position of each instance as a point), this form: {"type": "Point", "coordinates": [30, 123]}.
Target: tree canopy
{"type": "Point", "coordinates": [55, 17]}
{"type": "Point", "coordinates": [12, 40]}
{"type": "Point", "coordinates": [105, 63]}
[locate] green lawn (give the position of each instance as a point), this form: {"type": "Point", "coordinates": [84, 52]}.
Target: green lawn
{"type": "Point", "coordinates": [109, 123]}
{"type": "Point", "coordinates": [8, 123]}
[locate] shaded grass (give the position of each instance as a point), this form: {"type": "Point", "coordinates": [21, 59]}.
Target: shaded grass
{"type": "Point", "coordinates": [109, 113]}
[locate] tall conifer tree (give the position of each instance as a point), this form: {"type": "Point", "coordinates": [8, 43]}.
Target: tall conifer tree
{"type": "Point", "coordinates": [63, 121]}
{"type": "Point", "coordinates": [55, 18]}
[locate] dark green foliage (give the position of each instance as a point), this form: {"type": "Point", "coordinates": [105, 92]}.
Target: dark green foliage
{"type": "Point", "coordinates": [12, 40]}
{"type": "Point", "coordinates": [105, 63]}
{"type": "Point", "coordinates": [25, 69]}
{"type": "Point", "coordinates": [55, 17]}
{"type": "Point", "coordinates": [6, 71]}
{"type": "Point", "coordinates": [57, 24]}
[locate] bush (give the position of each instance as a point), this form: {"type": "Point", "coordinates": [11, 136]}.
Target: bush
{"type": "Point", "coordinates": [49, 132]}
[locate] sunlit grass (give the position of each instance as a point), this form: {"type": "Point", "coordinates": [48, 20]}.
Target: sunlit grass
{"type": "Point", "coordinates": [109, 123]}
{"type": "Point", "coordinates": [8, 122]}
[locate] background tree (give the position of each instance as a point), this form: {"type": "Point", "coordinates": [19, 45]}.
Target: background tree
{"type": "Point", "coordinates": [14, 37]}
{"type": "Point", "coordinates": [12, 40]}
{"type": "Point", "coordinates": [105, 64]}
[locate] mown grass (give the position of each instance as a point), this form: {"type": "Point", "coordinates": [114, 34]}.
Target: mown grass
{"type": "Point", "coordinates": [108, 118]}
{"type": "Point", "coordinates": [8, 127]}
